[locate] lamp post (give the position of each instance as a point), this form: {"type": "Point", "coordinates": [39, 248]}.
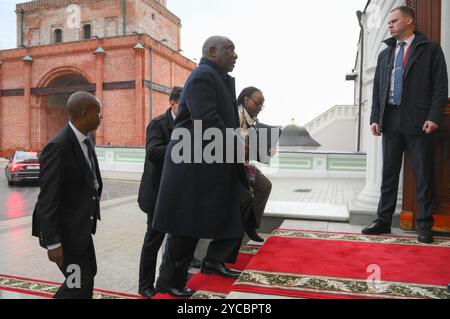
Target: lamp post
{"type": "Point", "coordinates": [359, 15]}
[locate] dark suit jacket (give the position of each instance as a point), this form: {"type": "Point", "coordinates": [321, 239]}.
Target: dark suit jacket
{"type": "Point", "coordinates": [425, 86]}
{"type": "Point", "coordinates": [202, 200]}
{"type": "Point", "coordinates": [159, 132]}
{"type": "Point", "coordinates": [68, 205]}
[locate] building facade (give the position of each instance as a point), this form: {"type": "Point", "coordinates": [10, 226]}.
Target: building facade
{"type": "Point", "coordinates": [127, 52]}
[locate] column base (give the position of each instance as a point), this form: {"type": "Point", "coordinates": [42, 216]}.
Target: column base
{"type": "Point", "coordinates": [364, 217]}
{"type": "Point", "coordinates": [363, 211]}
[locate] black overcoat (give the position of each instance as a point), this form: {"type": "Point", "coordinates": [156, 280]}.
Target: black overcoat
{"type": "Point", "coordinates": [159, 132]}
{"type": "Point", "coordinates": [202, 200]}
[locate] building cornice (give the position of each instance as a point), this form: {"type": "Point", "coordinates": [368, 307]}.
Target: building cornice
{"type": "Point", "coordinates": [108, 44]}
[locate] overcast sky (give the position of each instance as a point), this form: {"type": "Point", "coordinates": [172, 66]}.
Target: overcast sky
{"type": "Point", "coordinates": [296, 52]}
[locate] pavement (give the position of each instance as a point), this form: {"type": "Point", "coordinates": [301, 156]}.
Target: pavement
{"type": "Point", "coordinates": [19, 200]}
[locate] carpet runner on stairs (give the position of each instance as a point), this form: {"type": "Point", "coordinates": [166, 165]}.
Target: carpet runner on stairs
{"type": "Point", "coordinates": [207, 286]}
{"type": "Point", "coordinates": [215, 286]}
{"type": "Point", "coordinates": [46, 289]}
{"type": "Point", "coordinates": [307, 264]}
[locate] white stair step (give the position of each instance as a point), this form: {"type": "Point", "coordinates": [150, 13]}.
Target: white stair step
{"type": "Point", "coordinates": [309, 211]}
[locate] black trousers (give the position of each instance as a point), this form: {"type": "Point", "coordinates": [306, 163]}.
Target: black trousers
{"type": "Point", "coordinates": [152, 243]}
{"type": "Point", "coordinates": [422, 156]}
{"type": "Point", "coordinates": [82, 287]}
{"type": "Point", "coordinates": [180, 251]}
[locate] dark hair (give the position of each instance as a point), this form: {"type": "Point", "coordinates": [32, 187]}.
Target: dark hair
{"type": "Point", "coordinates": [176, 94]}
{"type": "Point", "coordinates": [406, 11]}
{"type": "Point", "coordinates": [247, 92]}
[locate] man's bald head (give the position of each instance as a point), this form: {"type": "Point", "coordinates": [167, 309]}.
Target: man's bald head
{"type": "Point", "coordinates": [84, 111]}
{"type": "Point", "coordinates": [81, 102]}
{"type": "Point", "coordinates": [220, 50]}
{"type": "Point", "coordinates": [212, 43]}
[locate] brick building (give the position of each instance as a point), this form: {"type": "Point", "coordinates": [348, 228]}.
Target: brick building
{"type": "Point", "coordinates": [124, 51]}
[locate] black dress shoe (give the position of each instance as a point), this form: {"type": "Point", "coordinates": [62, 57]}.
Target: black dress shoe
{"type": "Point", "coordinates": [176, 292]}
{"type": "Point", "coordinates": [148, 293]}
{"type": "Point", "coordinates": [195, 263]}
{"type": "Point", "coordinates": [219, 268]}
{"type": "Point", "coordinates": [425, 237]}
{"type": "Point", "coordinates": [254, 236]}
{"type": "Point", "coordinates": [377, 228]}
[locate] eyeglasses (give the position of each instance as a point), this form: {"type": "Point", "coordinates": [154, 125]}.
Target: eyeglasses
{"type": "Point", "coordinates": [258, 106]}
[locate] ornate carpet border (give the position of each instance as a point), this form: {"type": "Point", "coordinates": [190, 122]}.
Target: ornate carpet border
{"type": "Point", "coordinates": [397, 240]}
{"type": "Point", "coordinates": [249, 249]}
{"type": "Point", "coordinates": [48, 289]}
{"type": "Point", "coordinates": [208, 295]}
{"type": "Point", "coordinates": [295, 284]}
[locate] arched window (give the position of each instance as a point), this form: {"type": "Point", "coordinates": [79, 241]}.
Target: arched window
{"type": "Point", "coordinates": [58, 35]}
{"type": "Point", "coordinates": [86, 31]}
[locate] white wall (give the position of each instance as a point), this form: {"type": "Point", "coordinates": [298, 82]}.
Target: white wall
{"type": "Point", "coordinates": [338, 136]}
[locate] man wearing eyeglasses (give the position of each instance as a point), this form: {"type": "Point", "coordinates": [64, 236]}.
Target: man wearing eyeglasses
{"type": "Point", "coordinates": [250, 104]}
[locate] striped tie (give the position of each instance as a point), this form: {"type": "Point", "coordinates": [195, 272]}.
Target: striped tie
{"type": "Point", "coordinates": [398, 74]}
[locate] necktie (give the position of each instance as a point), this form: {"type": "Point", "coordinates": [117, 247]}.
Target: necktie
{"type": "Point", "coordinates": [91, 155]}
{"type": "Point", "coordinates": [398, 74]}
{"type": "Point", "coordinates": [91, 152]}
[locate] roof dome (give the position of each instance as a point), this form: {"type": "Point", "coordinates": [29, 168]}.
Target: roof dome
{"type": "Point", "coordinates": [294, 135]}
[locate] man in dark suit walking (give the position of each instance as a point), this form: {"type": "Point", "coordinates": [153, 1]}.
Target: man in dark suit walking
{"type": "Point", "coordinates": [199, 198]}
{"type": "Point", "coordinates": [159, 132]}
{"type": "Point", "coordinates": [409, 98]}
{"type": "Point", "coordinates": [68, 206]}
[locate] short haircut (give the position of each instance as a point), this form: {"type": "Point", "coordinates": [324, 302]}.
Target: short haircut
{"type": "Point", "coordinates": [79, 102]}
{"type": "Point", "coordinates": [213, 42]}
{"type": "Point", "coordinates": [247, 92]}
{"type": "Point", "coordinates": [407, 12]}
{"type": "Point", "coordinates": [176, 94]}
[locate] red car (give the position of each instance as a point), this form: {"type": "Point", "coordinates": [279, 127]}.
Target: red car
{"type": "Point", "coordinates": [24, 166]}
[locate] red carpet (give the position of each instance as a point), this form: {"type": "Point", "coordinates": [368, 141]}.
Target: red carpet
{"type": "Point", "coordinates": [329, 265]}
{"type": "Point", "coordinates": [214, 286]}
